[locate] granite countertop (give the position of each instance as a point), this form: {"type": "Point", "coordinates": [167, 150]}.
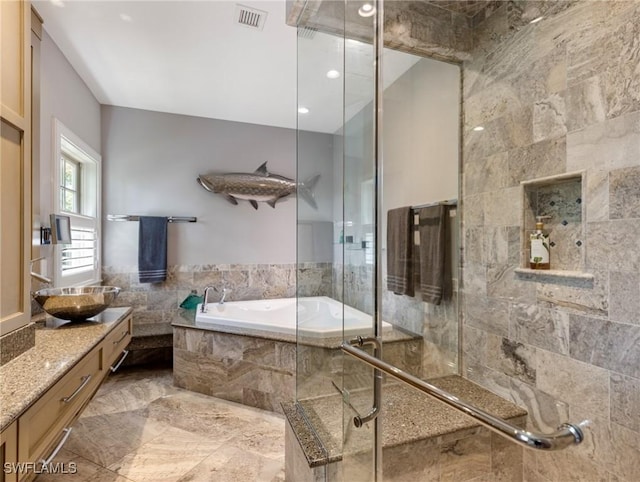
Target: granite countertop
{"type": "Point", "coordinates": [59, 346]}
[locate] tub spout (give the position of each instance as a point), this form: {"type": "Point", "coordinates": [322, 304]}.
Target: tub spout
{"type": "Point", "coordinates": [205, 296]}
{"type": "Point", "coordinates": [224, 295]}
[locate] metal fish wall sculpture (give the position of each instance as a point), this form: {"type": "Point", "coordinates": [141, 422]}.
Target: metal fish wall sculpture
{"type": "Point", "coordinates": [259, 186]}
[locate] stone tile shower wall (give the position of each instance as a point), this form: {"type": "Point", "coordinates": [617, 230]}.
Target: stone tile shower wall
{"type": "Point", "coordinates": [159, 302]}
{"type": "Point", "coordinates": [436, 324]}
{"type": "Point", "coordinates": [558, 96]}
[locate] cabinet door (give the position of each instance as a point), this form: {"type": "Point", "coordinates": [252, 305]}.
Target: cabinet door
{"type": "Point", "coordinates": [15, 164]}
{"type": "Point", "coordinates": [9, 453]}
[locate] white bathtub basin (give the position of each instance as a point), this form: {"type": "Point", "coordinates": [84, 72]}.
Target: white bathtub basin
{"type": "Point", "coordinates": [317, 317]}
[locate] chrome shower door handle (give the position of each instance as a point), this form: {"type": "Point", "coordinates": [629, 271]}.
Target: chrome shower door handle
{"type": "Point", "coordinates": [359, 421]}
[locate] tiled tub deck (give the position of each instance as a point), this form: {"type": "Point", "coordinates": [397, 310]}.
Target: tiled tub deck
{"type": "Point", "coordinates": [258, 368]}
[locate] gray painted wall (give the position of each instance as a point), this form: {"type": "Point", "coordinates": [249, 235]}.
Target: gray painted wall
{"type": "Point", "coordinates": [421, 149]}
{"type": "Point", "coordinates": [150, 164]}
{"type": "Point", "coordinates": [421, 135]}
{"type": "Point", "coordinates": [64, 96]}
{"type": "Point", "coordinates": [67, 97]}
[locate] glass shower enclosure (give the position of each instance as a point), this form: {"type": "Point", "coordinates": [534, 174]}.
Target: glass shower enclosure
{"type": "Point", "coordinates": [375, 109]}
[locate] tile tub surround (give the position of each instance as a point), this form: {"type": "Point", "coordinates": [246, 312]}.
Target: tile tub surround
{"type": "Point", "coordinates": [259, 369]}
{"type": "Point", "coordinates": [422, 438]}
{"type": "Point", "coordinates": [25, 378]}
{"type": "Point", "coordinates": [158, 303]}
{"type": "Point", "coordinates": [155, 305]}
{"type": "Point", "coordinates": [558, 96]}
{"type": "Point", "coordinates": [140, 428]}
{"type": "Point", "coordinates": [253, 371]}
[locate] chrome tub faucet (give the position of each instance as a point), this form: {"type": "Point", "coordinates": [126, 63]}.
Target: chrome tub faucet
{"type": "Point", "coordinates": [205, 296]}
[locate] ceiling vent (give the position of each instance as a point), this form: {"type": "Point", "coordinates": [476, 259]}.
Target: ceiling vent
{"type": "Point", "coordinates": [307, 32]}
{"type": "Point", "coordinates": [250, 17]}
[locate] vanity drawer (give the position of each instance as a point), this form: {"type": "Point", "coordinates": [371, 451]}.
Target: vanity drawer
{"type": "Point", "coordinates": [116, 341]}
{"type": "Point", "coordinates": [42, 425]}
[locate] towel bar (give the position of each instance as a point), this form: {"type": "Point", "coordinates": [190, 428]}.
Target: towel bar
{"type": "Point", "coordinates": [170, 219]}
{"type": "Point", "coordinates": [448, 202]}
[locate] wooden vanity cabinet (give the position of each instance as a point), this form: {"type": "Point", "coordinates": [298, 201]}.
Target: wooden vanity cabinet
{"type": "Point", "coordinates": [49, 419]}
{"type": "Point", "coordinates": [15, 164]}
{"type": "Point", "coordinates": [9, 453]}
{"type": "Point", "coordinates": [116, 342]}
{"type": "Point", "coordinates": [44, 427]}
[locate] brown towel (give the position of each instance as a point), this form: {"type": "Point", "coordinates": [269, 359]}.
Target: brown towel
{"type": "Point", "coordinates": [435, 278]}
{"type": "Point", "coordinates": [400, 251]}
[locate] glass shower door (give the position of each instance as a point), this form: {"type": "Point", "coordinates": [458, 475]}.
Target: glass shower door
{"type": "Point", "coordinates": [335, 108]}
{"type": "Point", "coordinates": [344, 241]}
{"type": "Point", "coordinates": [360, 457]}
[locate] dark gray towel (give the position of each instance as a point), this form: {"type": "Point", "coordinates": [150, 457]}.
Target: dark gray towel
{"type": "Point", "coordinates": [434, 277]}
{"type": "Point", "coordinates": [400, 251]}
{"type": "Point", "coordinates": [152, 249]}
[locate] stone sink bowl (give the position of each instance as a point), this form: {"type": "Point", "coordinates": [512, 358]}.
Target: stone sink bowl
{"type": "Point", "coordinates": [76, 304]}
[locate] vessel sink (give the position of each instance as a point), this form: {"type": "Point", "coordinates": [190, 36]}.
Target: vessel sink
{"type": "Point", "coordinates": [76, 304]}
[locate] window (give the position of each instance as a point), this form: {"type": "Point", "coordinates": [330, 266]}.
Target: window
{"type": "Point", "coordinates": [77, 196]}
{"type": "Point", "coordinates": [69, 185]}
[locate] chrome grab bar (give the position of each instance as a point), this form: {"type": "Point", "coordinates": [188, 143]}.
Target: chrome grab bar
{"type": "Point", "coordinates": [566, 435]}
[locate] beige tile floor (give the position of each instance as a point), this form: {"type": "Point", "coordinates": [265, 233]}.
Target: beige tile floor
{"type": "Point", "coordinates": [140, 428]}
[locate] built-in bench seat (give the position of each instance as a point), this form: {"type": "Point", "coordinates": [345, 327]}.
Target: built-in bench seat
{"type": "Point", "coordinates": [422, 438]}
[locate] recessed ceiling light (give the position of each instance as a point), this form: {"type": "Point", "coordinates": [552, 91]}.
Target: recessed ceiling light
{"type": "Point", "coordinates": [536, 20]}
{"type": "Point", "coordinates": [126, 18]}
{"type": "Point", "coordinates": [58, 3]}
{"type": "Point", "coordinates": [303, 110]}
{"type": "Point", "coordinates": [478, 128]}
{"type": "Point", "coordinates": [333, 74]}
{"type": "Point", "coordinates": [367, 10]}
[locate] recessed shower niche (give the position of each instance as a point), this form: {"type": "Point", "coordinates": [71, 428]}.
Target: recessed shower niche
{"type": "Point", "coordinates": [560, 199]}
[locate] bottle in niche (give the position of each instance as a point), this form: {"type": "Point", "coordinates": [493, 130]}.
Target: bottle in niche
{"type": "Point", "coordinates": [539, 246]}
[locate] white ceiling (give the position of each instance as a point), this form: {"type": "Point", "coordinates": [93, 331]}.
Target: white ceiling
{"type": "Point", "coordinates": [192, 58]}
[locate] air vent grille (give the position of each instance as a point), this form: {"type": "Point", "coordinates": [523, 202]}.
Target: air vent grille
{"type": "Point", "coordinates": [250, 17]}
{"type": "Point", "coordinates": [307, 32]}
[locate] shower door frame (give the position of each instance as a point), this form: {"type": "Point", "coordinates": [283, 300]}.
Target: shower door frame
{"type": "Point", "coordinates": [378, 47]}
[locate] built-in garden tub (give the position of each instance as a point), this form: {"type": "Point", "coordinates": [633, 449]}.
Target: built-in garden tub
{"type": "Point", "coordinates": [245, 351]}
{"type": "Point", "coordinates": [317, 317]}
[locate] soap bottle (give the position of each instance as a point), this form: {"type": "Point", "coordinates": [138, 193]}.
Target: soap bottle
{"type": "Point", "coordinates": [539, 246]}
